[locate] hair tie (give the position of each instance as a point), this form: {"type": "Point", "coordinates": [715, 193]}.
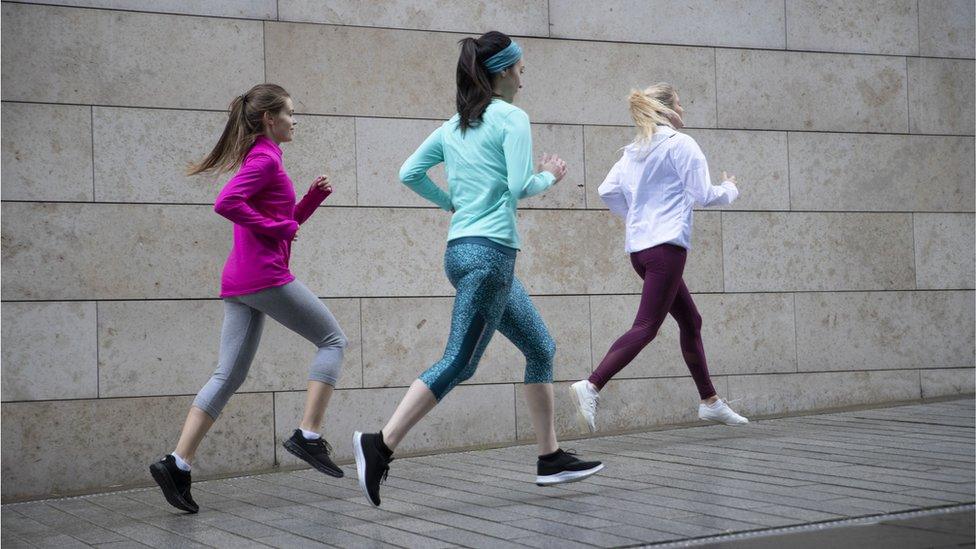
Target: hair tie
{"type": "Point", "coordinates": [504, 59]}
{"type": "Point", "coordinates": [243, 98]}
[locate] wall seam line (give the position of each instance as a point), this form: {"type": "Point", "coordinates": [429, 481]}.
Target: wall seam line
{"type": "Point", "coordinates": [91, 121]}
{"type": "Point", "coordinates": [362, 348]}
{"type": "Point", "coordinates": [796, 339]}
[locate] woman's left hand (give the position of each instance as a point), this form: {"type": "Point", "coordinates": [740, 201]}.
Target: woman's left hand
{"type": "Point", "coordinates": [322, 183]}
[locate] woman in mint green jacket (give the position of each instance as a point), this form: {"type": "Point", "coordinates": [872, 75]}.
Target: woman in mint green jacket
{"type": "Point", "coordinates": [487, 148]}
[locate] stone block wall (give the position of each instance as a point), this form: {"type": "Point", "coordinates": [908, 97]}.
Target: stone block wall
{"type": "Point", "coordinates": [843, 275]}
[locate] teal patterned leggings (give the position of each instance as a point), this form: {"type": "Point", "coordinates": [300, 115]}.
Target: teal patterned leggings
{"type": "Point", "coordinates": [489, 297]}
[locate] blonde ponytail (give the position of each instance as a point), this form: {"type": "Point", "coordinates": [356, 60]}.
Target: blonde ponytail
{"type": "Point", "coordinates": [652, 107]}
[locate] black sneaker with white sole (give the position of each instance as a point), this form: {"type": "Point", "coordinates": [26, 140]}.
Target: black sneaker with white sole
{"type": "Point", "coordinates": [372, 463]}
{"type": "Point", "coordinates": [175, 484]}
{"type": "Point", "coordinates": [313, 452]}
{"type": "Point", "coordinates": [560, 467]}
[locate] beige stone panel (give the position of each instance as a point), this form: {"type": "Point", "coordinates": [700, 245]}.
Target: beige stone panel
{"type": "Point", "coordinates": [598, 93]}
{"type": "Point", "coordinates": [741, 333]}
{"type": "Point", "coordinates": [248, 9]}
{"type": "Point", "coordinates": [884, 330]}
{"type": "Point", "coordinates": [389, 56]}
{"type": "Point", "coordinates": [112, 251]}
{"type": "Point", "coordinates": [709, 22]}
{"type": "Point", "coordinates": [67, 55]}
{"type": "Point", "coordinates": [944, 245]}
{"type": "Point", "coordinates": [625, 404]}
{"type": "Point", "coordinates": [383, 144]}
{"type": "Point", "coordinates": [56, 448]}
{"type": "Point", "coordinates": [781, 252]}
{"type": "Point", "coordinates": [516, 17]}
{"type": "Point", "coordinates": [941, 96]}
{"type": "Point", "coordinates": [49, 351]}
{"type": "Point", "coordinates": [141, 155]}
{"type": "Point", "coordinates": [171, 348]}
{"type": "Point", "coordinates": [881, 172]}
{"type": "Point", "coordinates": [47, 152]}
{"type": "Point", "coordinates": [583, 253]}
{"type": "Point", "coordinates": [936, 383]}
{"type": "Point", "coordinates": [811, 91]}
{"type": "Point", "coordinates": [382, 79]}
{"type": "Point", "coordinates": [774, 394]}
{"type": "Point", "coordinates": [324, 145]}
{"type": "Point", "coordinates": [405, 336]}
{"type": "Point", "coordinates": [946, 28]}
{"type": "Point", "coordinates": [472, 415]}
{"type": "Point", "coordinates": [367, 252]}
{"type": "Point", "coordinates": [757, 159]}
{"type": "Point", "coordinates": [855, 26]}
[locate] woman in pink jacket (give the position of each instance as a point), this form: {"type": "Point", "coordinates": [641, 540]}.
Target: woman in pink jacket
{"type": "Point", "coordinates": [260, 201]}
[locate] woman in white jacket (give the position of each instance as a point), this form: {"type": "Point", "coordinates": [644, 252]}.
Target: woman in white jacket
{"type": "Point", "coordinates": [653, 187]}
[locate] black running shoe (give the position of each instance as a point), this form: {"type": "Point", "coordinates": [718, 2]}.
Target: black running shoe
{"type": "Point", "coordinates": [175, 483]}
{"type": "Point", "coordinates": [559, 467]}
{"type": "Point", "coordinates": [314, 452]}
{"type": "Point", "coordinates": [372, 463]}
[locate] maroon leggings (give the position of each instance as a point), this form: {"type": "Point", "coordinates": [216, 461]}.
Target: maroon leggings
{"type": "Point", "coordinates": [664, 292]}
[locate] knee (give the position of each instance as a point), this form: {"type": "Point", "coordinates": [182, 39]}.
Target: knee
{"type": "Point", "coordinates": [693, 323]}
{"type": "Point", "coordinates": [549, 350]}
{"type": "Point", "coordinates": [336, 340]}
{"type": "Point", "coordinates": [646, 331]}
{"type": "Point", "coordinates": [465, 373]}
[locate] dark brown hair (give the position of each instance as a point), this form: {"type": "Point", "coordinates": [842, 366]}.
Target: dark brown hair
{"type": "Point", "coordinates": [474, 89]}
{"type": "Point", "coordinates": [244, 123]}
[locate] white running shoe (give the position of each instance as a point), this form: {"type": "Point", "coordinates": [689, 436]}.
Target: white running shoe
{"type": "Point", "coordinates": [720, 413]}
{"type": "Point", "coordinates": [586, 399]}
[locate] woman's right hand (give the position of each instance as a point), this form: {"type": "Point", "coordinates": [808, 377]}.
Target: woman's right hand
{"type": "Point", "coordinates": [553, 164]}
{"type": "Point", "coordinates": [729, 178]}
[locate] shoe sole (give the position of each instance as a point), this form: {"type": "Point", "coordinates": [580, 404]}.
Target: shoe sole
{"type": "Point", "coordinates": [567, 476]}
{"type": "Point", "coordinates": [301, 454]}
{"type": "Point", "coordinates": [584, 426]}
{"type": "Point", "coordinates": [166, 484]}
{"type": "Point", "coordinates": [720, 422]}
{"type": "Point", "coordinates": [357, 446]}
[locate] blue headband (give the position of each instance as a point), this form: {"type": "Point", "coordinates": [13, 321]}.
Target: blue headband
{"type": "Point", "coordinates": [504, 59]}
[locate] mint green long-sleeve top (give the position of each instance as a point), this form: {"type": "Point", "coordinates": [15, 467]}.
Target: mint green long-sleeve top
{"type": "Point", "coordinates": [489, 169]}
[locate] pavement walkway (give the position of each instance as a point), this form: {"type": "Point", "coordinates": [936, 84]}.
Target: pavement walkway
{"type": "Point", "coordinates": [774, 483]}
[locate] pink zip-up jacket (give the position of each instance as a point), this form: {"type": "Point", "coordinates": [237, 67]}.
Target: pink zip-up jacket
{"type": "Point", "coordinates": [260, 200]}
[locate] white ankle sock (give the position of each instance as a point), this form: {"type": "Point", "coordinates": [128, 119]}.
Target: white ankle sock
{"type": "Point", "coordinates": [180, 462]}
{"type": "Point", "coordinates": [715, 404]}
{"type": "Point", "coordinates": [309, 435]}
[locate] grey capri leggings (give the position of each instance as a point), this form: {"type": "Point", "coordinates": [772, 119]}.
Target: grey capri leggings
{"type": "Point", "coordinates": [296, 308]}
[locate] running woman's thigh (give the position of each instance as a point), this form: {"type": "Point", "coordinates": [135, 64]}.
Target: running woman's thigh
{"type": "Point", "coordinates": [295, 307]}
{"type": "Point", "coordinates": [522, 324]}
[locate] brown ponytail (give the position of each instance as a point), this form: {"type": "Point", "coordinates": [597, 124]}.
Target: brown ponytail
{"type": "Point", "coordinates": [244, 124]}
{"type": "Point", "coordinates": [474, 89]}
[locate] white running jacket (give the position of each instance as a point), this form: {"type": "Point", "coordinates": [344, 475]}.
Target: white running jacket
{"type": "Point", "coordinates": [654, 186]}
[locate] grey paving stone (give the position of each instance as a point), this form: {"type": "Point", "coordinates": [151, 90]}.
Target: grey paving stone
{"type": "Point", "coordinates": [324, 534]}
{"type": "Point", "coordinates": [125, 544]}
{"type": "Point", "coordinates": [286, 539]}
{"type": "Point", "coordinates": [566, 532]}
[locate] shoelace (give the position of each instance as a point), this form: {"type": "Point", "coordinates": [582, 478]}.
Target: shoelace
{"type": "Point", "coordinates": [386, 469]}
{"type": "Point", "coordinates": [321, 444]}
